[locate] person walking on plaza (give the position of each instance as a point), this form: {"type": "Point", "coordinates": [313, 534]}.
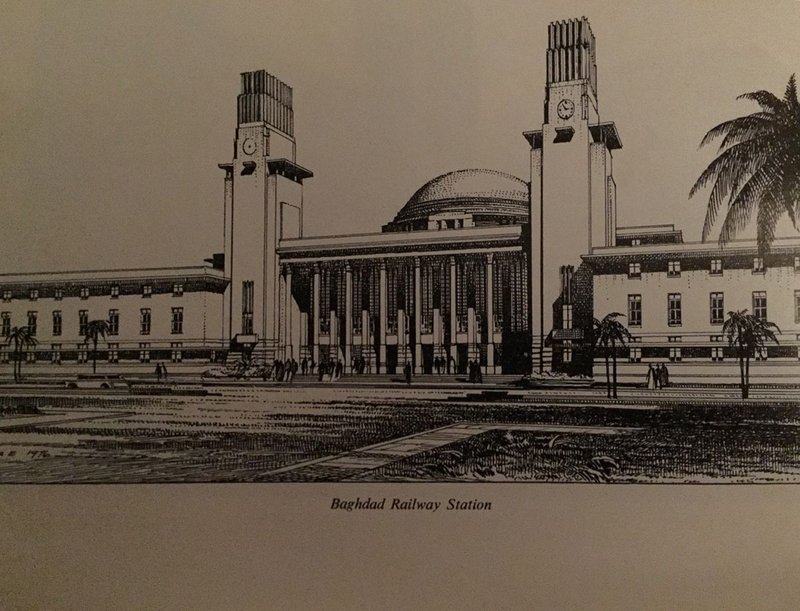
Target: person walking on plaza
{"type": "Point", "coordinates": [451, 365]}
{"type": "Point", "coordinates": [158, 371]}
{"type": "Point", "coordinates": [320, 370]}
{"type": "Point", "coordinates": [304, 366]}
{"type": "Point", "coordinates": [664, 375]}
{"type": "Point", "coordinates": [407, 372]}
{"type": "Point", "coordinates": [164, 371]}
{"type": "Point", "coordinates": [652, 374]}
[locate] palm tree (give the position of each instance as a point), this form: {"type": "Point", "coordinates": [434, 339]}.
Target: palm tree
{"type": "Point", "coordinates": [96, 329]}
{"type": "Point", "coordinates": [747, 333]}
{"type": "Point", "coordinates": [607, 333]}
{"type": "Point", "coordinates": [757, 168]}
{"type": "Point", "coordinates": [22, 338]}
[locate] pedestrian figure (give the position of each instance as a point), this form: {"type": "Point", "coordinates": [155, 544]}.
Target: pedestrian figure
{"type": "Point", "coordinates": [164, 371]}
{"type": "Point", "coordinates": [451, 361]}
{"type": "Point", "coordinates": [478, 372]}
{"type": "Point", "coordinates": [320, 370]}
{"type": "Point", "coordinates": [158, 371]}
{"type": "Point", "coordinates": [664, 376]}
{"type": "Point", "coordinates": [304, 366]}
{"type": "Point", "coordinates": [652, 374]}
{"type": "Point", "coordinates": [407, 372]}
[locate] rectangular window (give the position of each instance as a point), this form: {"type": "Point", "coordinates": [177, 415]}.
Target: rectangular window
{"type": "Point", "coordinates": [4, 354]}
{"type": "Point", "coordinates": [32, 316]}
{"type": "Point", "coordinates": [797, 264]}
{"type": "Point", "coordinates": [674, 268]}
{"type": "Point", "coordinates": [113, 353]}
{"type": "Point", "coordinates": [113, 322]}
{"type": "Point", "coordinates": [674, 338]}
{"type": "Point", "coordinates": [716, 267]}
{"type": "Point", "coordinates": [144, 321]}
{"type": "Point", "coordinates": [114, 291]}
{"type": "Point", "coordinates": [147, 290]}
{"type": "Point", "coordinates": [674, 317]}
{"type": "Point", "coordinates": [797, 306]}
{"type": "Point", "coordinates": [144, 352]}
{"type": "Point", "coordinates": [636, 241]}
{"type": "Point", "coordinates": [566, 317]}
{"type": "Point", "coordinates": [760, 304]}
{"type": "Point", "coordinates": [177, 351]}
{"type": "Point", "coordinates": [716, 338]}
{"type": "Point", "coordinates": [717, 353]}
{"type": "Point", "coordinates": [6, 295]}
{"type": "Point", "coordinates": [634, 310]}
{"type": "Point", "coordinates": [635, 355]}
{"type": "Point", "coordinates": [55, 354]}
{"type": "Point", "coordinates": [177, 290]}
{"type": "Point", "coordinates": [58, 294]}
{"type": "Point", "coordinates": [57, 323]}
{"type": "Point", "coordinates": [634, 270]}
{"type": "Point", "coordinates": [177, 321]}
{"type": "Point", "coordinates": [248, 298]}
{"type": "Point", "coordinates": [717, 308]}
{"type": "Point", "coordinates": [34, 294]}
{"type": "Point", "coordinates": [675, 355]}
{"type": "Point", "coordinates": [83, 322]}
{"type": "Point", "coordinates": [761, 353]}
{"type": "Point", "coordinates": [567, 352]}
{"type": "Point", "coordinates": [5, 320]}
{"type": "Point", "coordinates": [758, 265]}
{"type": "Point", "coordinates": [30, 357]}
{"type": "Point", "coordinates": [83, 353]}
{"type": "Point", "coordinates": [84, 292]}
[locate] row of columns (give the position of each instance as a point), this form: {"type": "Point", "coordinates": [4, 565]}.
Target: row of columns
{"type": "Point", "coordinates": [347, 354]}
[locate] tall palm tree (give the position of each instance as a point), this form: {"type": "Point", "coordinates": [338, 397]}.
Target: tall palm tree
{"type": "Point", "coordinates": [22, 338]}
{"type": "Point", "coordinates": [757, 168]}
{"type": "Point", "coordinates": [747, 333]}
{"type": "Point", "coordinates": [607, 333]}
{"type": "Point", "coordinates": [94, 331]}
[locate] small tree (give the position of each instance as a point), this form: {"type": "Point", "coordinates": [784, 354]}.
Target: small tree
{"type": "Point", "coordinates": [747, 333]}
{"type": "Point", "coordinates": [607, 333]}
{"type": "Point", "coordinates": [94, 331]}
{"type": "Point", "coordinates": [22, 338]}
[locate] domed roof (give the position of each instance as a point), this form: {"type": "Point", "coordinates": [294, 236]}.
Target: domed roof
{"type": "Point", "coordinates": [486, 194]}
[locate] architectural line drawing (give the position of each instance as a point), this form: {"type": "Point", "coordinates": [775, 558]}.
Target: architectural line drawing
{"type": "Point", "coordinates": [464, 340]}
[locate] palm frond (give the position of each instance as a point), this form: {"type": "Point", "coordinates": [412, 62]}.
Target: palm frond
{"type": "Point", "coordinates": [790, 96]}
{"type": "Point", "coordinates": [767, 100]}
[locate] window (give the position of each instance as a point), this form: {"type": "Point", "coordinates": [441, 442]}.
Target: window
{"type": "Point", "coordinates": [797, 306]}
{"type": "Point", "coordinates": [147, 290]}
{"type": "Point", "coordinates": [115, 291]}
{"type": "Point", "coordinates": [30, 356]}
{"type": "Point", "coordinates": [674, 268]}
{"type": "Point", "coordinates": [144, 321]}
{"type": "Point", "coordinates": [32, 316]}
{"type": "Point", "coordinates": [177, 321]}
{"type": "Point", "coordinates": [760, 304]}
{"type": "Point", "coordinates": [797, 264]}
{"type": "Point", "coordinates": [717, 353]}
{"type": "Point", "coordinates": [58, 294]}
{"type": "Point", "coordinates": [635, 355]}
{"type": "Point", "coordinates": [5, 321]}
{"type": "Point", "coordinates": [57, 323]}
{"type": "Point", "coordinates": [83, 353]}
{"type": "Point", "coordinates": [636, 241]}
{"type": "Point", "coordinates": [675, 355]}
{"type": "Point", "coordinates": [634, 310]}
{"type": "Point", "coordinates": [144, 352]}
{"type": "Point", "coordinates": [6, 295]}
{"type": "Point", "coordinates": [55, 354]}
{"type": "Point", "coordinates": [177, 290]}
{"type": "Point", "coordinates": [34, 294]}
{"type": "Point", "coordinates": [674, 317]}
{"type": "Point", "coordinates": [566, 317]}
{"type": "Point", "coordinates": [84, 292]}
{"type": "Point", "coordinates": [83, 322]}
{"type": "Point", "coordinates": [717, 306]}
{"type": "Point", "coordinates": [177, 354]}
{"type": "Point", "coordinates": [716, 338]}
{"type": "Point", "coordinates": [113, 322]}
{"type": "Point", "coordinates": [761, 353]}
{"type": "Point", "coordinates": [634, 270]}
{"type": "Point", "coordinates": [113, 353]}
{"type": "Point", "coordinates": [248, 295]}
{"type": "Point", "coordinates": [716, 267]}
{"type": "Point", "coordinates": [674, 338]}
{"type": "Point", "coordinates": [758, 265]}
{"type": "Point", "coordinates": [4, 354]}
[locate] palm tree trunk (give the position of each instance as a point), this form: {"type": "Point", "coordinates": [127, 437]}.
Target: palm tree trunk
{"type": "Point", "coordinates": [608, 376]}
{"type": "Point", "coordinates": [746, 377]}
{"type": "Point", "coordinates": [741, 374]}
{"type": "Point", "coordinates": [614, 360]}
{"type": "Point", "coordinates": [94, 356]}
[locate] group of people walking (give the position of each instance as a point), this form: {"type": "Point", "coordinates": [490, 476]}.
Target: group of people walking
{"type": "Point", "coordinates": [283, 371]}
{"type": "Point", "coordinates": [444, 365]}
{"type": "Point", "coordinates": [330, 371]}
{"type": "Point", "coordinates": [657, 376]}
{"type": "Point", "coordinates": [475, 373]}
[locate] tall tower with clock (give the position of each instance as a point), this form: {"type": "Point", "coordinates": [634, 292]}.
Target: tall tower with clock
{"type": "Point", "coordinates": [573, 194]}
{"type": "Point", "coordinates": [263, 204]}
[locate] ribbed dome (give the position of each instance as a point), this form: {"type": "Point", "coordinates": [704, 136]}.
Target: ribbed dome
{"type": "Point", "coordinates": [491, 197]}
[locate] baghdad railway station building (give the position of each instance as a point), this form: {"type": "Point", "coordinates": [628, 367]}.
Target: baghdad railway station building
{"type": "Point", "coordinates": [473, 267]}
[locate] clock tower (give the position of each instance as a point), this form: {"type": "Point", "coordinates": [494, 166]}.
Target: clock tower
{"type": "Point", "coordinates": [573, 195]}
{"type": "Point", "coordinates": [263, 205]}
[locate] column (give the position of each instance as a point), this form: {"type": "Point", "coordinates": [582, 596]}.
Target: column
{"type": "Point", "coordinates": [315, 316]}
{"type": "Point", "coordinates": [453, 323]}
{"type": "Point", "coordinates": [382, 318]}
{"type": "Point", "coordinates": [490, 313]}
{"type": "Point", "coordinates": [417, 316]}
{"type": "Point", "coordinates": [288, 350]}
{"type": "Point", "coordinates": [348, 318]}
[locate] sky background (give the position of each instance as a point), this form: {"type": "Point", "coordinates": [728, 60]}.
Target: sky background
{"type": "Point", "coordinates": [114, 116]}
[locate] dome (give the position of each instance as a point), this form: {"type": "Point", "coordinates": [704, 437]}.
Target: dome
{"type": "Point", "coordinates": [479, 197]}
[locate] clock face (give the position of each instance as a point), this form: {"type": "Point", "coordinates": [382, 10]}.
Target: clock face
{"type": "Point", "coordinates": [249, 146]}
{"type": "Point", "coordinates": [566, 109]}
